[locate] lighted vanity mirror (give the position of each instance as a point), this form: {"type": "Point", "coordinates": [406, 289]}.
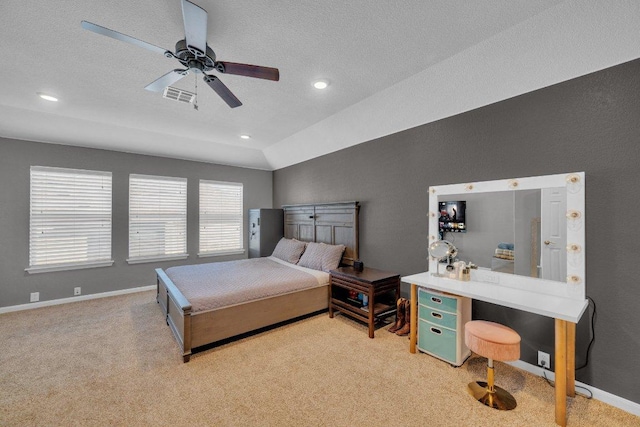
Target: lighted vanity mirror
{"type": "Point", "coordinates": [441, 250]}
{"type": "Point", "coordinates": [531, 229]}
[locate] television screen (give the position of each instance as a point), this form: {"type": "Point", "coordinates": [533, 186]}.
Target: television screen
{"type": "Point", "coordinates": [452, 217]}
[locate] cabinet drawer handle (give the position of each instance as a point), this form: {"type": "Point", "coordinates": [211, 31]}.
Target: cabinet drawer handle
{"type": "Point", "coordinates": [436, 331]}
{"type": "Point", "coordinates": [436, 300]}
{"type": "Point", "coordinates": [436, 315]}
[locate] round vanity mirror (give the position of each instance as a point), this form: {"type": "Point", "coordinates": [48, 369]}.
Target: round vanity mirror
{"type": "Point", "coordinates": [442, 249]}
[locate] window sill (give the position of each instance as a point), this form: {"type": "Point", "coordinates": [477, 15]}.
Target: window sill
{"type": "Point", "coordinates": [65, 267]}
{"type": "Point", "coordinates": [157, 258]}
{"type": "Point", "coordinates": [225, 253]}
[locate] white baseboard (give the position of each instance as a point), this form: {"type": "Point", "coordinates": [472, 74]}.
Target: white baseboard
{"type": "Point", "coordinates": [603, 396]}
{"type": "Point", "coordinates": [74, 299]}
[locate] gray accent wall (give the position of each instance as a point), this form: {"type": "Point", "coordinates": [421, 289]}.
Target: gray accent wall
{"type": "Point", "coordinates": [589, 124]}
{"type": "Point", "coordinates": [16, 158]}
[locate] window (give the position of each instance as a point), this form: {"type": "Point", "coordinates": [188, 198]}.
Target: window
{"type": "Point", "coordinates": [69, 219]}
{"type": "Point", "coordinates": [157, 218]}
{"type": "Point", "coordinates": [220, 218]}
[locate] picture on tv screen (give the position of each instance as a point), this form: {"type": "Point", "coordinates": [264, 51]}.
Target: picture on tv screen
{"type": "Point", "coordinates": [452, 217]}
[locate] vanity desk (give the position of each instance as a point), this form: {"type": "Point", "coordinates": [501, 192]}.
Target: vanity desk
{"type": "Point", "coordinates": [565, 311]}
{"type": "Point", "coordinates": [552, 285]}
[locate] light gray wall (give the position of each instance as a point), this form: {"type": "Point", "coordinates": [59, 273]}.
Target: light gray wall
{"type": "Point", "coordinates": [587, 124]}
{"type": "Point", "coordinates": [16, 157]}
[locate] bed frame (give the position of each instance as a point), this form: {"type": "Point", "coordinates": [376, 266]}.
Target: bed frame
{"type": "Point", "coordinates": [332, 223]}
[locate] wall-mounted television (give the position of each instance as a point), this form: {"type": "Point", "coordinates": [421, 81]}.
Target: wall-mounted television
{"type": "Point", "coordinates": [453, 217]}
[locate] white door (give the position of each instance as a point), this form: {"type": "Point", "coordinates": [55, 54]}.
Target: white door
{"type": "Point", "coordinates": [553, 263]}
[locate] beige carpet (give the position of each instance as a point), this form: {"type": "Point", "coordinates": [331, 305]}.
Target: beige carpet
{"type": "Point", "coordinates": [114, 361]}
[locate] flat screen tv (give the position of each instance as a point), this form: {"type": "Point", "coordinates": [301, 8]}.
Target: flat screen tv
{"type": "Point", "coordinates": [452, 217]}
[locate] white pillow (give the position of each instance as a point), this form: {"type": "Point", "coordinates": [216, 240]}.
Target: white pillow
{"type": "Point", "coordinates": [320, 256]}
{"type": "Point", "coordinates": [289, 250]}
{"type": "Point", "coordinates": [312, 256]}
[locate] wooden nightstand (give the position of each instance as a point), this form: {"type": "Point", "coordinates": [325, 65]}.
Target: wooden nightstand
{"type": "Point", "coordinates": [381, 288]}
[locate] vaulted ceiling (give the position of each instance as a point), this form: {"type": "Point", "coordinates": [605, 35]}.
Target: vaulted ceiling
{"type": "Point", "coordinates": [391, 65]}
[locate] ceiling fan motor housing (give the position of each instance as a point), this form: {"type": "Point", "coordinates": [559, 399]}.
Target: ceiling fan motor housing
{"type": "Point", "coordinates": [197, 62]}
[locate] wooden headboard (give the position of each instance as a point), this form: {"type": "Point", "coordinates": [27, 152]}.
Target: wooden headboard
{"type": "Point", "coordinates": [331, 223]}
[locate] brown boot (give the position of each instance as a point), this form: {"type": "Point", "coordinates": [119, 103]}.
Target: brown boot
{"type": "Point", "coordinates": [399, 316]}
{"type": "Point", "coordinates": [407, 322]}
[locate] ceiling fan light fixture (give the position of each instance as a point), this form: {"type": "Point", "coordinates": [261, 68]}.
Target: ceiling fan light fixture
{"type": "Point", "coordinates": [47, 97]}
{"type": "Point", "coordinates": [321, 84]}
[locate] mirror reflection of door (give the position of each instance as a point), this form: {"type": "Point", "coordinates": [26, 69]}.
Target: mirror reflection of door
{"type": "Point", "coordinates": [553, 262]}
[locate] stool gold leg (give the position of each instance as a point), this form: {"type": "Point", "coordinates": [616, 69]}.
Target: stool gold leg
{"type": "Point", "coordinates": [490, 376]}
{"type": "Point", "coordinates": [491, 395]}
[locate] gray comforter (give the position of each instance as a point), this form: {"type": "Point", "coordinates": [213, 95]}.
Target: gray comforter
{"type": "Point", "coordinates": [222, 284]}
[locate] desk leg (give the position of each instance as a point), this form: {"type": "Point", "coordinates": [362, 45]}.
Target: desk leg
{"type": "Point", "coordinates": [561, 372]}
{"type": "Point", "coordinates": [571, 359]}
{"type": "Point", "coordinates": [413, 334]}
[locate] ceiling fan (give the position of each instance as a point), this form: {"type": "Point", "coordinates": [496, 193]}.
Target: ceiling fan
{"type": "Point", "coordinates": [194, 54]}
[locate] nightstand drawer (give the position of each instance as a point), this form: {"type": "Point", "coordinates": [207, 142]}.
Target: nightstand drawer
{"type": "Point", "coordinates": [437, 317]}
{"type": "Point", "coordinates": [437, 301]}
{"type": "Point", "coordinates": [438, 341]}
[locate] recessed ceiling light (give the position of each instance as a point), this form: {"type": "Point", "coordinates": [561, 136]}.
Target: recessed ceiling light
{"type": "Point", "coordinates": [245, 136]}
{"type": "Point", "coordinates": [321, 84]}
{"type": "Point", "coordinates": [47, 97]}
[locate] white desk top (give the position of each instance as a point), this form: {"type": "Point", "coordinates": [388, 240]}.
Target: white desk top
{"type": "Point", "coordinates": [546, 305]}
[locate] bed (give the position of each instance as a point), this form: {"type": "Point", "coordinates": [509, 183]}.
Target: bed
{"type": "Point", "coordinates": [198, 318]}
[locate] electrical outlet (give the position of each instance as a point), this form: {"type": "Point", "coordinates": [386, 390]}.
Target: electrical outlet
{"type": "Point", "coordinates": [35, 296]}
{"type": "Point", "coordinates": [77, 291]}
{"type": "Point", "coordinates": [544, 360]}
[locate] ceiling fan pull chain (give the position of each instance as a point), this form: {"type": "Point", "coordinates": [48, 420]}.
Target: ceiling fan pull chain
{"type": "Point", "coordinates": [195, 101]}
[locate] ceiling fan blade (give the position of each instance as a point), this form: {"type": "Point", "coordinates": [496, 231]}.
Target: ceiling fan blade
{"type": "Point", "coordinates": [195, 26]}
{"type": "Point", "coordinates": [168, 79]}
{"type": "Point", "coordinates": [247, 70]}
{"type": "Point", "coordinates": [122, 37]}
{"type": "Point", "coordinates": [223, 91]}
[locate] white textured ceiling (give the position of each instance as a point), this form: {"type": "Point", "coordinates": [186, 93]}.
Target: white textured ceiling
{"type": "Point", "coordinates": [391, 65]}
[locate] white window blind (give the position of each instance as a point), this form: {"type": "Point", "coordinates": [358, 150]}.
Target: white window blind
{"type": "Point", "coordinates": [157, 218]}
{"type": "Point", "coordinates": [69, 219]}
{"type": "Point", "coordinates": [221, 218]}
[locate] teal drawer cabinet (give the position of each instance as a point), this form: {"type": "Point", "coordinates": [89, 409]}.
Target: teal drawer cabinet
{"type": "Point", "coordinates": [441, 320]}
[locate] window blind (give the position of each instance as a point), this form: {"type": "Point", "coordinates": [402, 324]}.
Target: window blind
{"type": "Point", "coordinates": [69, 219]}
{"type": "Point", "coordinates": [221, 218]}
{"type": "Point", "coordinates": [157, 218]}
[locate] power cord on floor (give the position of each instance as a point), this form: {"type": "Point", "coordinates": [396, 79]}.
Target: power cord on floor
{"type": "Point", "coordinates": [588, 394]}
{"type": "Point", "coordinates": [593, 337]}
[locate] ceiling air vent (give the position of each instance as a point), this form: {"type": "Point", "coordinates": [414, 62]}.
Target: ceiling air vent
{"type": "Point", "coordinates": [178, 95]}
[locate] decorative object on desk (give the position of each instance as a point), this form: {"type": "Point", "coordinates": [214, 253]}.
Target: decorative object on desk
{"type": "Point", "coordinates": [441, 249]}
{"type": "Point", "coordinates": [400, 317]}
{"type": "Point", "coordinates": [358, 265]}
